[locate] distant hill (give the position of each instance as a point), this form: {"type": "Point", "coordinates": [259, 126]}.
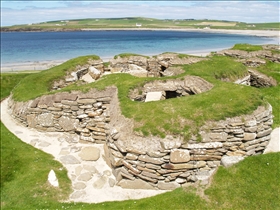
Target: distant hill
{"type": "Point", "coordinates": [138, 22]}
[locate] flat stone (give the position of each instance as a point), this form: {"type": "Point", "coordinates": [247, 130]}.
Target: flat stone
{"type": "Point", "coordinates": [147, 159]}
{"type": "Point", "coordinates": [78, 194]}
{"type": "Point", "coordinates": [44, 144]}
{"type": "Point", "coordinates": [79, 186]}
{"type": "Point", "coordinates": [45, 120]}
{"type": "Point", "coordinates": [209, 145]}
{"type": "Point", "coordinates": [135, 184]}
{"type": "Point", "coordinates": [112, 182]}
{"type": "Point", "coordinates": [228, 161]}
{"type": "Point", "coordinates": [90, 168]}
{"type": "Point", "coordinates": [85, 177]}
{"type": "Point", "coordinates": [179, 156]}
{"type": "Point", "coordinates": [168, 185]}
{"type": "Point", "coordinates": [153, 96]}
{"type": "Point", "coordinates": [198, 164]}
{"type": "Point", "coordinates": [90, 153]}
{"type": "Point", "coordinates": [99, 184]}
{"type": "Point", "coordinates": [249, 136]}
{"type": "Point", "coordinates": [78, 170]}
{"type": "Point", "coordinates": [69, 159]}
{"type": "Point", "coordinates": [68, 123]}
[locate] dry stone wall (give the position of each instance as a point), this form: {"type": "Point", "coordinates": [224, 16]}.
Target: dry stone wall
{"type": "Point", "coordinates": [147, 162]}
{"type": "Point", "coordinates": [86, 114]}
{"type": "Point", "coordinates": [168, 163]}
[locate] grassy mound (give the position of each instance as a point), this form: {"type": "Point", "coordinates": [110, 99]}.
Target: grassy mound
{"type": "Point", "coordinates": [178, 116]}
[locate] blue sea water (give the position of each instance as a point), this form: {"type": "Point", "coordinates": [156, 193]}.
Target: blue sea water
{"type": "Point", "coordinates": [22, 47]}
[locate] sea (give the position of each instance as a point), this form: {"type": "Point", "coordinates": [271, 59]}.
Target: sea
{"type": "Point", "coordinates": [24, 47]}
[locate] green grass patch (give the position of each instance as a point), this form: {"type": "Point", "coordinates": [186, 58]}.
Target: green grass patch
{"type": "Point", "coordinates": [272, 94]}
{"type": "Point", "coordinates": [9, 81]}
{"type": "Point", "coordinates": [251, 184]}
{"type": "Point", "coordinates": [126, 55]}
{"type": "Point", "coordinates": [247, 47]}
{"type": "Point", "coordinates": [28, 89]}
{"type": "Point", "coordinates": [24, 174]}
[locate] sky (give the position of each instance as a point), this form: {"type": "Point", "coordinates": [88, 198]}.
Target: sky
{"type": "Point", "coordinates": [27, 11]}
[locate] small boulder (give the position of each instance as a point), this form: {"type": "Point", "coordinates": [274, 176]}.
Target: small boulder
{"type": "Point", "coordinates": [90, 153]}
{"type": "Point", "coordinates": [228, 161]}
{"type": "Point", "coordinates": [52, 179]}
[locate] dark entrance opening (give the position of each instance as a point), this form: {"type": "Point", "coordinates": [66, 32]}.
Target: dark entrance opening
{"type": "Point", "coordinates": [163, 68]}
{"type": "Point", "coordinates": [171, 94]}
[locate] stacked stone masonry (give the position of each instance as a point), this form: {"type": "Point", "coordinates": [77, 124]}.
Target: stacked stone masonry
{"type": "Point", "coordinates": [146, 162]}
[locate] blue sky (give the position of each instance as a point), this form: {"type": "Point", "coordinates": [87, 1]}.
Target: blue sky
{"type": "Point", "coordinates": [25, 12]}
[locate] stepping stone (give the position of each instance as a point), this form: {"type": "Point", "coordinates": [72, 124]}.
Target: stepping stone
{"type": "Point", "coordinates": [18, 132]}
{"type": "Point", "coordinates": [112, 182]}
{"type": "Point", "coordinates": [69, 159]}
{"type": "Point", "coordinates": [99, 184]}
{"type": "Point", "coordinates": [44, 144]}
{"type": "Point", "coordinates": [79, 186]}
{"type": "Point", "coordinates": [78, 170]}
{"type": "Point", "coordinates": [90, 168]}
{"type": "Point", "coordinates": [90, 153]}
{"type": "Point", "coordinates": [85, 177]}
{"type": "Point", "coordinates": [33, 142]}
{"type": "Point", "coordinates": [64, 151]}
{"type": "Point", "coordinates": [78, 194]}
{"type": "Point", "coordinates": [107, 173]}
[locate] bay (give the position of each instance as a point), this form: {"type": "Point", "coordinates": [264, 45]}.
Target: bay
{"type": "Point", "coordinates": [23, 47]}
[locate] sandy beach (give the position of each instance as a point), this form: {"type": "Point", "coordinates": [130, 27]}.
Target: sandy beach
{"type": "Point", "coordinates": [43, 65]}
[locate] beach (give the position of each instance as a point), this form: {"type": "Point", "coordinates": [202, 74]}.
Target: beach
{"type": "Point", "coordinates": [43, 65]}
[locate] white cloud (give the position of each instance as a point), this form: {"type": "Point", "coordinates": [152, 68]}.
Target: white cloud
{"type": "Point", "coordinates": [34, 11]}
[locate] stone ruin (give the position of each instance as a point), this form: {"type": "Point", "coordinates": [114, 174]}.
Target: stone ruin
{"type": "Point", "coordinates": [146, 162]}
{"type": "Point", "coordinates": [141, 162]}
{"type": "Point", "coordinates": [159, 66]}
{"type": "Point", "coordinates": [165, 89]}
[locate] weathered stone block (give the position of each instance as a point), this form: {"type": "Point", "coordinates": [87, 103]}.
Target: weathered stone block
{"type": "Point", "coordinates": [168, 185]}
{"type": "Point", "coordinates": [197, 164]}
{"type": "Point", "coordinates": [249, 136]}
{"type": "Point", "coordinates": [147, 159]}
{"type": "Point", "coordinates": [45, 119]}
{"type": "Point", "coordinates": [228, 161]}
{"type": "Point", "coordinates": [179, 156]}
{"type": "Point", "coordinates": [90, 154]}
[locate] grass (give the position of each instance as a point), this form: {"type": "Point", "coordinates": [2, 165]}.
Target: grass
{"type": "Point", "coordinates": [247, 47]}
{"type": "Point", "coordinates": [27, 89]}
{"type": "Point", "coordinates": [126, 55]}
{"type": "Point", "coordinates": [130, 22]}
{"type": "Point", "coordinates": [8, 81]}
{"type": "Point", "coordinates": [248, 185]}
{"type": "Point", "coordinates": [251, 184]}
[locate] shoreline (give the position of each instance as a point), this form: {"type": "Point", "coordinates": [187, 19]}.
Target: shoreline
{"type": "Point", "coordinates": [44, 65]}
{"type": "Point", "coordinates": [262, 33]}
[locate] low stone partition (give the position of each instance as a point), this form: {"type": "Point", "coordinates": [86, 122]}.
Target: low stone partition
{"type": "Point", "coordinates": [146, 162]}
{"type": "Point", "coordinates": [86, 114]}
{"type": "Point", "coordinates": [168, 163]}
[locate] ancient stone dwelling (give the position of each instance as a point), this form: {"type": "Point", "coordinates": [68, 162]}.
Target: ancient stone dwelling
{"type": "Point", "coordinates": [148, 162]}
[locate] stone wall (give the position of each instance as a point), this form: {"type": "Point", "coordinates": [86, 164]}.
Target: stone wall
{"type": "Point", "coordinates": [146, 162]}
{"type": "Point", "coordinates": [86, 114]}
{"type": "Point", "coordinates": [170, 162]}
